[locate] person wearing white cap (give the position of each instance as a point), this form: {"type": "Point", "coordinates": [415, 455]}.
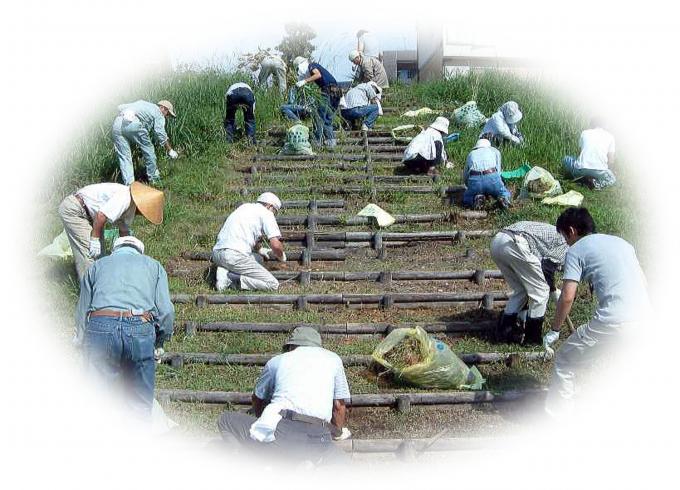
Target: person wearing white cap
{"type": "Point", "coordinates": [362, 104]}
{"type": "Point", "coordinates": [369, 69]}
{"type": "Point", "coordinates": [482, 177]}
{"type": "Point", "coordinates": [502, 125]}
{"type": "Point", "coordinates": [426, 150]}
{"type": "Point", "coordinates": [597, 154]}
{"type": "Point", "coordinates": [273, 66]}
{"type": "Point", "coordinates": [134, 125]}
{"type": "Point", "coordinates": [85, 213]}
{"type": "Point", "coordinates": [243, 230]}
{"type": "Point", "coordinates": [124, 316]}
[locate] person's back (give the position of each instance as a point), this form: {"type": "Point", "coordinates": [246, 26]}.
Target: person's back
{"type": "Point", "coordinates": [244, 226]}
{"type": "Point", "coordinates": [483, 158]}
{"type": "Point", "coordinates": [423, 144]}
{"type": "Point", "coordinates": [148, 113]}
{"type": "Point", "coordinates": [326, 78]}
{"type": "Point", "coordinates": [596, 146]}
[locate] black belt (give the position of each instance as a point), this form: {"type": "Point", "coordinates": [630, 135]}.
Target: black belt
{"type": "Point", "coordinates": [484, 172]}
{"type": "Point", "coordinates": [307, 419]}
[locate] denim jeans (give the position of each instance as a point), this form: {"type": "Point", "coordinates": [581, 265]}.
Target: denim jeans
{"type": "Point", "coordinates": [294, 112]}
{"type": "Point", "coordinates": [601, 178]}
{"type": "Point", "coordinates": [369, 113]}
{"type": "Point", "coordinates": [241, 97]}
{"type": "Point", "coordinates": [121, 350]}
{"type": "Point", "coordinates": [328, 104]}
{"type": "Point", "coordinates": [126, 133]}
{"type": "Point", "coordinates": [488, 185]}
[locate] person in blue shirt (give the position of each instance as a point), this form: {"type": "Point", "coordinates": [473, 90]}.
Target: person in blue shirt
{"type": "Point", "coordinates": [330, 94]}
{"type": "Point", "coordinates": [125, 315]}
{"type": "Point", "coordinates": [482, 176]}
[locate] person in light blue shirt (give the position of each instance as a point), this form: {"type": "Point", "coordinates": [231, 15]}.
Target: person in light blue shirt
{"type": "Point", "coordinates": [124, 315]}
{"type": "Point", "coordinates": [134, 125]}
{"type": "Point", "coordinates": [482, 176]}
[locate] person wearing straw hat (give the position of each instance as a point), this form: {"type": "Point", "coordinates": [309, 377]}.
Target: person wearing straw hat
{"type": "Point", "coordinates": [369, 69]}
{"type": "Point", "coordinates": [134, 125]}
{"type": "Point", "coordinates": [86, 212]}
{"type": "Point", "coordinates": [241, 233]}
{"type": "Point", "coordinates": [299, 403]}
{"type": "Point", "coordinates": [482, 177]}
{"type": "Point", "coordinates": [426, 151]}
{"type": "Point", "coordinates": [502, 125]}
{"type": "Point", "coordinates": [124, 316]}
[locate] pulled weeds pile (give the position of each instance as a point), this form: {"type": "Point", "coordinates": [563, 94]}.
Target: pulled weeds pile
{"type": "Point", "coordinates": [404, 354]}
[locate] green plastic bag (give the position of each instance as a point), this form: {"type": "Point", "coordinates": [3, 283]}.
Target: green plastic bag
{"type": "Point", "coordinates": [468, 115]}
{"type": "Point", "coordinates": [539, 183]}
{"type": "Point", "coordinates": [297, 141]}
{"type": "Point", "coordinates": [518, 173]}
{"type": "Point", "coordinates": [439, 366]}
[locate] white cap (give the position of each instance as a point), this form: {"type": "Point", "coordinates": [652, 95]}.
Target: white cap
{"type": "Point", "coordinates": [482, 143]}
{"type": "Point", "coordinates": [353, 54]}
{"type": "Point", "coordinates": [298, 60]}
{"type": "Point", "coordinates": [270, 198]}
{"type": "Point", "coordinates": [441, 124]}
{"type": "Point", "coordinates": [128, 241]}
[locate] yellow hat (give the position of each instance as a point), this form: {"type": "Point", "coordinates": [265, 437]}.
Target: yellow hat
{"type": "Point", "coordinates": [168, 105]}
{"type": "Point", "coordinates": [149, 201]}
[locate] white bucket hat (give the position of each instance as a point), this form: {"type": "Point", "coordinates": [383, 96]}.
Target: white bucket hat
{"type": "Point", "coordinates": [353, 54]}
{"type": "Point", "coordinates": [270, 198]}
{"type": "Point", "coordinates": [511, 112]}
{"type": "Point", "coordinates": [441, 124]}
{"type": "Point", "coordinates": [482, 143]}
{"type": "Point", "coordinates": [128, 241]}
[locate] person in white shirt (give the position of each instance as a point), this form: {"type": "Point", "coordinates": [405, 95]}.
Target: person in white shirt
{"type": "Point", "coordinates": [85, 213]}
{"type": "Point", "coordinates": [597, 154]}
{"type": "Point", "coordinates": [239, 95]}
{"type": "Point", "coordinates": [299, 402]}
{"type": "Point", "coordinates": [609, 264]}
{"type": "Point", "coordinates": [502, 125]}
{"type": "Point", "coordinates": [426, 150]}
{"type": "Point", "coordinates": [242, 231]}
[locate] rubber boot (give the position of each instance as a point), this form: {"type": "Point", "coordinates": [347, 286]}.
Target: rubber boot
{"type": "Point", "coordinates": [505, 326]}
{"type": "Point", "coordinates": [534, 331]}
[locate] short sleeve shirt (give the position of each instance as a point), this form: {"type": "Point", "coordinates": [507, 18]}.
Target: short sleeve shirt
{"type": "Point", "coordinates": [245, 226]}
{"type": "Point", "coordinates": [326, 77]}
{"type": "Point", "coordinates": [595, 145]}
{"type": "Point", "coordinates": [609, 263]}
{"type": "Point", "coordinates": [307, 378]}
{"type": "Point", "coordinates": [113, 200]}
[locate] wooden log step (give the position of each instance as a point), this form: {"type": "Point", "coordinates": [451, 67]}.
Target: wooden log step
{"type": "Point", "coordinates": [351, 189]}
{"type": "Point", "coordinates": [415, 236]}
{"type": "Point", "coordinates": [293, 255]}
{"type": "Point", "coordinates": [332, 219]}
{"type": "Point", "coordinates": [292, 166]}
{"type": "Point", "coordinates": [388, 179]}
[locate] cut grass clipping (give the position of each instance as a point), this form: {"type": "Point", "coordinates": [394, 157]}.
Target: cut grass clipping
{"type": "Point", "coordinates": [404, 354]}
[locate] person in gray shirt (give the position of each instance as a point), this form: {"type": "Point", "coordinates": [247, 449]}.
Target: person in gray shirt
{"type": "Point", "coordinates": [609, 264]}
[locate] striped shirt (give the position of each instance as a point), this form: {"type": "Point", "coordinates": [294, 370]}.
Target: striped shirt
{"type": "Point", "coordinates": [360, 96]}
{"type": "Point", "coordinates": [543, 239]}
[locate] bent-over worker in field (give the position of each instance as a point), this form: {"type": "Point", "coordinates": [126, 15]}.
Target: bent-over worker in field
{"type": "Point", "coordinates": [426, 151]}
{"type": "Point", "coordinates": [86, 212]}
{"type": "Point", "coordinates": [240, 234]}
{"type": "Point", "coordinates": [369, 69]}
{"type": "Point", "coordinates": [528, 254]}
{"type": "Point", "coordinates": [125, 315]}
{"type": "Point", "coordinates": [299, 400]}
{"type": "Point", "coordinates": [239, 95]}
{"type": "Point", "coordinates": [597, 154]}
{"type": "Point", "coordinates": [134, 125]}
{"type": "Point", "coordinates": [611, 268]}
{"type": "Point", "coordinates": [273, 66]}
{"type": "Point", "coordinates": [482, 177]}
{"type": "Point", "coordinates": [502, 125]}
{"type": "Point", "coordinates": [362, 104]}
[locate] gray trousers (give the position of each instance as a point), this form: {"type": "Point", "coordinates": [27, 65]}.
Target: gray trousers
{"type": "Point", "coordinates": [253, 275]}
{"type": "Point", "coordinates": [275, 69]}
{"type": "Point", "coordinates": [78, 230]}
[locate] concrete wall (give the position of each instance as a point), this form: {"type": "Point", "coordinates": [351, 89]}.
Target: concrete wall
{"type": "Point", "coordinates": [430, 51]}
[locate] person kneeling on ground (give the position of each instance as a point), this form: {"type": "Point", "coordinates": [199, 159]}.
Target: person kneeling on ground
{"type": "Point", "coordinates": [362, 104]}
{"type": "Point", "coordinates": [597, 154]}
{"type": "Point", "coordinates": [239, 95]}
{"type": "Point", "coordinates": [299, 400]}
{"type": "Point", "coordinates": [482, 177]}
{"type": "Point", "coordinates": [426, 150]}
{"type": "Point", "coordinates": [241, 232]}
{"type": "Point", "coordinates": [502, 125]}
{"type": "Point", "coordinates": [528, 254]}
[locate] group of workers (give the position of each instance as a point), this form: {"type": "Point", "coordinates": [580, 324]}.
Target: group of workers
{"type": "Point", "coordinates": [124, 313]}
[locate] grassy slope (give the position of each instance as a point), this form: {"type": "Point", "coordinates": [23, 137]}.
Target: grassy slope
{"type": "Point", "coordinates": [202, 187]}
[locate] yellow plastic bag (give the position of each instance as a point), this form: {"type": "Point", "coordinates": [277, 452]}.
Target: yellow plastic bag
{"type": "Point", "coordinates": [571, 198]}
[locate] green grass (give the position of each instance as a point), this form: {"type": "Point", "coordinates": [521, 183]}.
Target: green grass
{"type": "Point", "coordinates": [202, 188]}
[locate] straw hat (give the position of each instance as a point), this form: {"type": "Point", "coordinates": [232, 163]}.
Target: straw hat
{"type": "Point", "coordinates": [441, 124]}
{"type": "Point", "coordinates": [168, 105]}
{"type": "Point", "coordinates": [482, 143]}
{"type": "Point", "coordinates": [149, 201]}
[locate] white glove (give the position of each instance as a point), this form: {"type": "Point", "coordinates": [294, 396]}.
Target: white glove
{"type": "Point", "coordinates": [265, 252]}
{"type": "Point", "coordinates": [95, 248]}
{"type": "Point", "coordinates": [449, 165]}
{"type": "Point", "coordinates": [301, 83]}
{"type": "Point", "coordinates": [346, 434]}
{"type": "Point", "coordinates": [514, 139]}
{"type": "Point", "coordinates": [549, 339]}
{"type": "Point", "coordinates": [555, 295]}
{"type": "Point", "coordinates": [173, 154]}
{"type": "Point", "coordinates": [283, 257]}
{"type": "Point", "coordinates": [158, 354]}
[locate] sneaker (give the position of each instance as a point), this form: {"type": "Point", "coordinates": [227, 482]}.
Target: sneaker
{"type": "Point", "coordinates": [222, 281]}
{"type": "Point", "coordinates": [479, 202]}
{"type": "Point", "coordinates": [504, 203]}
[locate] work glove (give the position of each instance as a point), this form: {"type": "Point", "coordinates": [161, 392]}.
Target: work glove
{"type": "Point", "coordinates": [301, 83]}
{"type": "Point", "coordinates": [173, 154]}
{"type": "Point", "coordinates": [158, 354]}
{"type": "Point", "coordinates": [548, 340]}
{"type": "Point", "coordinates": [515, 139]}
{"type": "Point", "coordinates": [345, 434]}
{"type": "Point", "coordinates": [555, 295]}
{"type": "Point", "coordinates": [283, 257]}
{"type": "Point", "coordinates": [265, 252]}
{"type": "Point", "coordinates": [95, 248]}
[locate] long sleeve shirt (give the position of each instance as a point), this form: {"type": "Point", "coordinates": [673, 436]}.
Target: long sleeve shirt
{"type": "Point", "coordinates": [497, 126]}
{"type": "Point", "coordinates": [360, 96]}
{"type": "Point", "coordinates": [127, 280]}
{"type": "Point", "coordinates": [482, 159]}
{"type": "Point", "coordinates": [151, 117]}
{"type": "Point", "coordinates": [371, 69]}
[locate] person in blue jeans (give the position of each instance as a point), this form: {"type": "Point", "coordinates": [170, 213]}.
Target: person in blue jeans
{"type": "Point", "coordinates": [482, 177]}
{"type": "Point", "coordinates": [330, 95]}
{"type": "Point", "coordinates": [240, 95]}
{"type": "Point", "coordinates": [126, 314]}
{"type": "Point", "coordinates": [591, 167]}
{"type": "Point", "coordinates": [362, 104]}
{"type": "Point", "coordinates": [302, 106]}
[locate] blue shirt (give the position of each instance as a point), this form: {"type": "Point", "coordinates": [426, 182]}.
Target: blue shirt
{"type": "Point", "coordinates": [326, 77]}
{"type": "Point", "coordinates": [482, 159]}
{"type": "Point", "coordinates": [127, 280]}
{"type": "Point", "coordinates": [151, 117]}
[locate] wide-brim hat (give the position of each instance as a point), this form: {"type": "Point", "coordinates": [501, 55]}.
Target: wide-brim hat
{"type": "Point", "coordinates": [304, 336]}
{"type": "Point", "coordinates": [168, 105]}
{"type": "Point", "coordinates": [511, 112]}
{"type": "Point", "coordinates": [149, 201]}
{"type": "Point", "coordinates": [441, 124]}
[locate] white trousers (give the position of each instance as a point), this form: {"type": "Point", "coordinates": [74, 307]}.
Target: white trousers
{"type": "Point", "coordinates": [253, 275]}
{"type": "Point", "coordinates": [522, 271]}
